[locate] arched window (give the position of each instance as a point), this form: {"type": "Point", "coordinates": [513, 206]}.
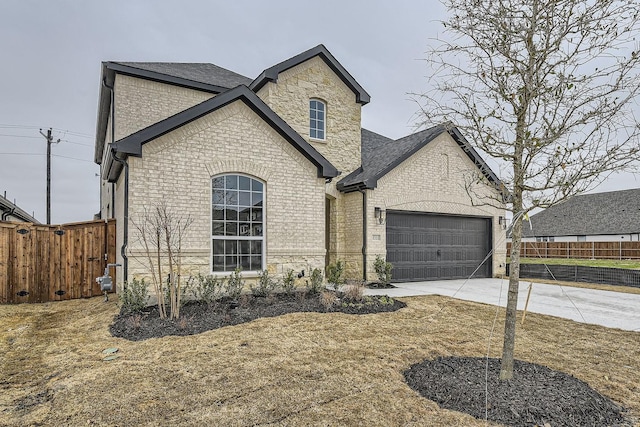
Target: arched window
{"type": "Point", "coordinates": [317, 119]}
{"type": "Point", "coordinates": [237, 229]}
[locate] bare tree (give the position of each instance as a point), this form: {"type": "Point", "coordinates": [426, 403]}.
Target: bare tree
{"type": "Point", "coordinates": [161, 232]}
{"type": "Point", "coordinates": [546, 87]}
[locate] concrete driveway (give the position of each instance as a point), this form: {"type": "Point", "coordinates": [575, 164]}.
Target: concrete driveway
{"type": "Point", "coordinates": [606, 308]}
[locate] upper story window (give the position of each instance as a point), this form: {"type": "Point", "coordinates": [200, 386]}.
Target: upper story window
{"type": "Point", "coordinates": [237, 223]}
{"type": "Point", "coordinates": [317, 119]}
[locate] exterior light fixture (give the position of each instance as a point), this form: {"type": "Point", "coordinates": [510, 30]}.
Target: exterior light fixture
{"type": "Point", "coordinates": [379, 214]}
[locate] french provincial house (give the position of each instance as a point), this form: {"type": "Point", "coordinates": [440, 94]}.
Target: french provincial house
{"type": "Point", "coordinates": [278, 174]}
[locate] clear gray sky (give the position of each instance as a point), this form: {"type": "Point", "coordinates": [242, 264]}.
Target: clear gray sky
{"type": "Point", "coordinates": [50, 75]}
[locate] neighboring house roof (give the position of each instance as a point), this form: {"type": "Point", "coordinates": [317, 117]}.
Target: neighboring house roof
{"type": "Point", "coordinates": [271, 74]}
{"type": "Point", "coordinates": [8, 209]}
{"type": "Point", "coordinates": [380, 155]}
{"type": "Point", "coordinates": [205, 77]}
{"type": "Point", "coordinates": [132, 144]}
{"type": "Point", "coordinates": [615, 212]}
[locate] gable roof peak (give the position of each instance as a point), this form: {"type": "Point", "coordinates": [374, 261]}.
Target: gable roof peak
{"type": "Point", "coordinates": [380, 155]}
{"type": "Point", "coordinates": [271, 73]}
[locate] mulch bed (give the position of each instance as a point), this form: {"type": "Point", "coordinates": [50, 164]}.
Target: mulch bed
{"type": "Point", "coordinates": [536, 396]}
{"type": "Point", "coordinates": [379, 285]}
{"type": "Point", "coordinates": [198, 317]}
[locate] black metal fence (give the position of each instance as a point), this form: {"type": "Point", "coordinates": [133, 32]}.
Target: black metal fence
{"type": "Point", "coordinates": [577, 273]}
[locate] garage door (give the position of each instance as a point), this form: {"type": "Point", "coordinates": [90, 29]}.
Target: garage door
{"type": "Point", "coordinates": [431, 247]}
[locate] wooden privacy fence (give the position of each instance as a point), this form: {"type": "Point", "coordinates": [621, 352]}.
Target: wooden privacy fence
{"type": "Point", "coordinates": [40, 263]}
{"type": "Point", "coordinates": [588, 250]}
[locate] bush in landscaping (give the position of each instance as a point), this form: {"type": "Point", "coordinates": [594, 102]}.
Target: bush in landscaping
{"type": "Point", "coordinates": [288, 283]}
{"type": "Point", "coordinates": [327, 299]}
{"type": "Point", "coordinates": [266, 285]}
{"type": "Point", "coordinates": [235, 285]}
{"type": "Point", "coordinates": [134, 296]}
{"type": "Point", "coordinates": [354, 292]}
{"type": "Point", "coordinates": [206, 289]}
{"type": "Point", "coordinates": [315, 285]}
{"type": "Point", "coordinates": [335, 273]}
{"type": "Point", "coordinates": [383, 270]}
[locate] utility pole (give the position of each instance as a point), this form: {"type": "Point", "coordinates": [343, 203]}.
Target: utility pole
{"type": "Point", "coordinates": [49, 138]}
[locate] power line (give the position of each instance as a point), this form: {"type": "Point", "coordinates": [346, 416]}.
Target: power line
{"type": "Point", "coordinates": [20, 136]}
{"type": "Point", "coordinates": [72, 158]}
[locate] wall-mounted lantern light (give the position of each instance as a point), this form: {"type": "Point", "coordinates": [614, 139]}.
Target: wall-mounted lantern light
{"type": "Point", "coordinates": [502, 221]}
{"type": "Point", "coordinates": [379, 214]}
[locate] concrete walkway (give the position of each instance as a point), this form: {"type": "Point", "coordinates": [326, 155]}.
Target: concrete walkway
{"type": "Point", "coordinates": [606, 308]}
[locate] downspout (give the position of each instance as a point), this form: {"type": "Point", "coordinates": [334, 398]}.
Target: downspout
{"type": "Point", "coordinates": [364, 233]}
{"type": "Point", "coordinates": [7, 214]}
{"type": "Point", "coordinates": [125, 230]}
{"type": "Point", "coordinates": [113, 138]}
{"type": "Point", "coordinates": [125, 164]}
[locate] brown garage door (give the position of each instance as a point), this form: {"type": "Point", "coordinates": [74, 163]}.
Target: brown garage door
{"type": "Point", "coordinates": [425, 246]}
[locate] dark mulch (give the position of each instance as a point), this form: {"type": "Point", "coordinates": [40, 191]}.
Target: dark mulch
{"type": "Point", "coordinates": [536, 395]}
{"type": "Point", "coordinates": [379, 285]}
{"type": "Point", "coordinates": [198, 317]}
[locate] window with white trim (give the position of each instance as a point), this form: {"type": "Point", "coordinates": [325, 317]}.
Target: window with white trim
{"type": "Point", "coordinates": [237, 223]}
{"type": "Point", "coordinates": [317, 119]}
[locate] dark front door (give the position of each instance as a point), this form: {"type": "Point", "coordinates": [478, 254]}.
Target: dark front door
{"type": "Point", "coordinates": [424, 246]}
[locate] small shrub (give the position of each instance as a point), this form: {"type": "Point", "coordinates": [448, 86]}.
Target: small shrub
{"type": "Point", "coordinates": [183, 323]}
{"type": "Point", "coordinates": [266, 285]}
{"type": "Point", "coordinates": [134, 296]}
{"type": "Point", "coordinates": [386, 300]}
{"type": "Point", "coordinates": [354, 292]}
{"type": "Point", "coordinates": [335, 273]}
{"type": "Point", "coordinates": [207, 289]}
{"type": "Point", "coordinates": [288, 284]}
{"type": "Point", "coordinates": [314, 284]}
{"type": "Point", "coordinates": [327, 299]}
{"type": "Point", "coordinates": [383, 270]}
{"type": "Point", "coordinates": [235, 285]}
{"type": "Point", "coordinates": [135, 322]}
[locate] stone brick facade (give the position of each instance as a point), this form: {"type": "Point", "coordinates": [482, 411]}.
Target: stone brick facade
{"type": "Point", "coordinates": [433, 180]}
{"type": "Point", "coordinates": [289, 98]}
{"type": "Point", "coordinates": [177, 168]}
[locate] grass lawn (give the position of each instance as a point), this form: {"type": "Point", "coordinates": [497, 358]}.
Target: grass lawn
{"type": "Point", "coordinates": [294, 370]}
{"type": "Point", "coordinates": [609, 263]}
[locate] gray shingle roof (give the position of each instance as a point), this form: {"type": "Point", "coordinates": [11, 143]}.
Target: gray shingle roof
{"type": "Point", "coordinates": [615, 212]}
{"type": "Point", "coordinates": [381, 154]}
{"type": "Point", "coordinates": [198, 72]}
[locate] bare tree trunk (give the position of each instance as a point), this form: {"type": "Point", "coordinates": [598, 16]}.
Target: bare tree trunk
{"type": "Point", "coordinates": [506, 366]}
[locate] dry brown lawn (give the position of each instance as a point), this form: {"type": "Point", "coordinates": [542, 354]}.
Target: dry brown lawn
{"type": "Point", "coordinates": [294, 370]}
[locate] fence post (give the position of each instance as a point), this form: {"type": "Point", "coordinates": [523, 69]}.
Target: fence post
{"type": "Point", "coordinates": [620, 254]}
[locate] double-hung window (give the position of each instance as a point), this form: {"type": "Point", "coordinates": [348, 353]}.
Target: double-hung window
{"type": "Point", "coordinates": [317, 119]}
{"type": "Point", "coordinates": [237, 223]}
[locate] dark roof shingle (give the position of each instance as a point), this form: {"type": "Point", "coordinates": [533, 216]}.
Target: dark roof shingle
{"type": "Point", "coordinates": [381, 154]}
{"type": "Point", "coordinates": [615, 212]}
{"type": "Point", "coordinates": [198, 72]}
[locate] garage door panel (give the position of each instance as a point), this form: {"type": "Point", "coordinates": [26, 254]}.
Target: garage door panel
{"type": "Point", "coordinates": [429, 246]}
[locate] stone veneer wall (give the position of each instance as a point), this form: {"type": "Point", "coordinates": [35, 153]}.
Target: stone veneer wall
{"type": "Point", "coordinates": [177, 168]}
{"type": "Point", "coordinates": [432, 180]}
{"type": "Point", "coordinates": [289, 98]}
